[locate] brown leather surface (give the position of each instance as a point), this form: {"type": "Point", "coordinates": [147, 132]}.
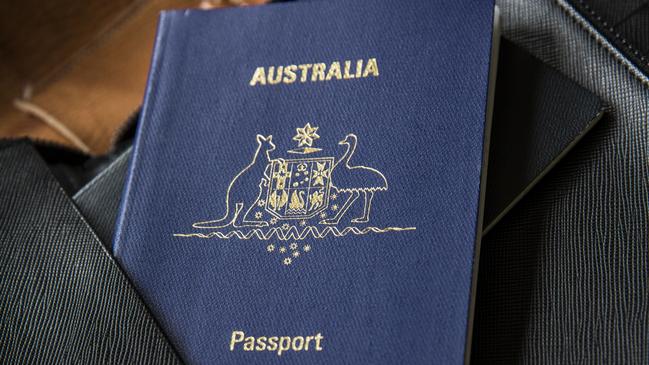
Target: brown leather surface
{"type": "Point", "coordinates": [37, 39]}
{"type": "Point", "coordinates": [93, 81]}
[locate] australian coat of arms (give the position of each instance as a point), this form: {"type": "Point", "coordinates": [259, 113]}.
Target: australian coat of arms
{"type": "Point", "coordinates": [294, 201]}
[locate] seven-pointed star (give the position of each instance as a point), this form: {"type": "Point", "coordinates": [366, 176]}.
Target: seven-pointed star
{"type": "Point", "coordinates": [305, 136]}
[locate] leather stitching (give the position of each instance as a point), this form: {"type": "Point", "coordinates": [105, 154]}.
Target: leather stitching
{"type": "Point", "coordinates": [603, 42]}
{"type": "Point", "coordinates": [617, 35]}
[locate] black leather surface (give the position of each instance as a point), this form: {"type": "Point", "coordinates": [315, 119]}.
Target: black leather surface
{"type": "Point", "coordinates": [564, 277]}
{"type": "Point", "coordinates": [99, 200]}
{"type": "Point", "coordinates": [624, 23]}
{"type": "Point", "coordinates": [64, 300]}
{"type": "Point", "coordinates": [538, 115]}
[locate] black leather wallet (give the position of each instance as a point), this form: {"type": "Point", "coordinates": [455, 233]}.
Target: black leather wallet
{"type": "Point", "coordinates": [539, 115]}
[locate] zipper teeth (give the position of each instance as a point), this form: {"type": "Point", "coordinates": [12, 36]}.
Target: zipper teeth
{"type": "Point", "coordinates": [603, 42]}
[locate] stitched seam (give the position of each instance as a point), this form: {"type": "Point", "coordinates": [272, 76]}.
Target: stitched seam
{"type": "Point", "coordinates": [603, 42]}
{"type": "Point", "coordinates": [617, 35]}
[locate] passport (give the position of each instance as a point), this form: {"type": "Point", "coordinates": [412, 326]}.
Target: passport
{"type": "Point", "coordinates": [307, 181]}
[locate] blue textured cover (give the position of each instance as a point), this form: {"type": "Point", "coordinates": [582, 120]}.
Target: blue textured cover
{"type": "Point", "coordinates": [356, 220]}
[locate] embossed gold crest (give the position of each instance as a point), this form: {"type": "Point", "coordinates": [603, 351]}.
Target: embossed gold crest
{"type": "Point", "coordinates": [299, 188]}
{"type": "Point", "coordinates": [298, 199]}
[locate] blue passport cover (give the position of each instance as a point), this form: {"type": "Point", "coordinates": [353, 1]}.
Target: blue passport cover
{"type": "Point", "coordinates": [305, 182]}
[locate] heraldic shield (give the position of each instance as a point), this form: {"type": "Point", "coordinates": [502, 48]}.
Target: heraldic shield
{"type": "Point", "coordinates": [299, 188]}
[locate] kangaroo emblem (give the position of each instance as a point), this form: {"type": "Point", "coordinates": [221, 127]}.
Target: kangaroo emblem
{"type": "Point", "coordinates": [238, 198]}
